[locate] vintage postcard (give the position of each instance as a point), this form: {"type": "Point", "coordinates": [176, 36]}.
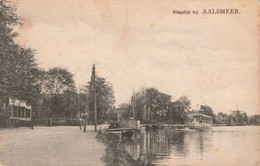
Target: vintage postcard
{"type": "Point", "coordinates": [130, 82]}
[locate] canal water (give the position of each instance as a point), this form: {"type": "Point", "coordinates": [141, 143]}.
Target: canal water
{"type": "Point", "coordinates": [232, 146]}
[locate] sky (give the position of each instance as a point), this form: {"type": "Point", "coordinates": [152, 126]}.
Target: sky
{"type": "Point", "coordinates": [211, 59]}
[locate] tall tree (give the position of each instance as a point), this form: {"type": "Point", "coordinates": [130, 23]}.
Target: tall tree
{"type": "Point", "coordinates": [184, 102]}
{"type": "Point", "coordinates": [104, 96]}
{"type": "Point", "coordinates": [8, 48]}
{"type": "Point", "coordinates": [123, 110]}
{"type": "Point", "coordinates": [178, 110]}
{"type": "Point", "coordinates": [244, 119]}
{"type": "Point", "coordinates": [151, 105]}
{"type": "Point", "coordinates": [69, 105]}
{"type": "Point", "coordinates": [57, 82]}
{"type": "Point", "coordinates": [254, 120]}
{"type": "Point", "coordinates": [156, 101]}
{"type": "Point", "coordinates": [20, 76]}
{"type": "Point", "coordinates": [209, 111]}
{"type": "Point", "coordinates": [237, 118]}
{"type": "Point", "coordinates": [222, 118]}
{"type": "Point", "coordinates": [24, 77]}
{"type": "Point", "coordinates": [140, 105]}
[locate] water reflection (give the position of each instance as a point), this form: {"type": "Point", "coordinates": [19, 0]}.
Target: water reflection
{"type": "Point", "coordinates": [160, 144]}
{"type": "Point", "coordinates": [164, 147]}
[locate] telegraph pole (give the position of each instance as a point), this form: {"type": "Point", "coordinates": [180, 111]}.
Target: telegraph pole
{"type": "Point", "coordinates": [95, 102]}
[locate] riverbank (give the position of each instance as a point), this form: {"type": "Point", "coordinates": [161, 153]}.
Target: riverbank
{"type": "Point", "coordinates": [116, 153]}
{"type": "Point", "coordinates": [59, 145]}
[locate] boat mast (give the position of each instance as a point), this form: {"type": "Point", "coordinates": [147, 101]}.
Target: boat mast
{"type": "Point", "coordinates": [134, 105]}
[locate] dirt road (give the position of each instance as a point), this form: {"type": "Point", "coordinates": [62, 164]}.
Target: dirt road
{"type": "Point", "coordinates": [64, 145]}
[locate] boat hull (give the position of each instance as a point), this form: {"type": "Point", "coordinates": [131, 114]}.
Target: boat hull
{"type": "Point", "coordinates": [200, 126]}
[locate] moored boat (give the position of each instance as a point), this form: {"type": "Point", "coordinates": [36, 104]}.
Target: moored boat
{"type": "Point", "coordinates": [200, 122]}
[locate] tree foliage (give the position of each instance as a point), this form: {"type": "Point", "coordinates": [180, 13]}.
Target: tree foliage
{"type": "Point", "coordinates": [69, 104]}
{"type": "Point", "coordinates": [20, 76]}
{"type": "Point", "coordinates": [178, 110]}
{"type": "Point", "coordinates": [24, 77]}
{"type": "Point", "coordinates": [254, 120]}
{"type": "Point", "coordinates": [19, 72]}
{"type": "Point", "coordinates": [237, 118]}
{"type": "Point", "coordinates": [8, 48]}
{"type": "Point", "coordinates": [123, 110]}
{"type": "Point", "coordinates": [112, 115]}
{"type": "Point", "coordinates": [151, 105]}
{"type": "Point", "coordinates": [209, 111]}
{"type": "Point", "coordinates": [222, 118]}
{"type": "Point", "coordinates": [8, 19]}
{"type": "Point", "coordinates": [184, 102]}
{"type": "Point", "coordinates": [104, 97]}
{"type": "Point", "coordinates": [58, 83]}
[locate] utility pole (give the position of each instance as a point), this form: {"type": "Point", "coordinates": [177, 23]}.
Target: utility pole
{"type": "Point", "coordinates": [95, 102]}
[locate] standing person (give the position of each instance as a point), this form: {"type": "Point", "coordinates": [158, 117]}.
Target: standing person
{"type": "Point", "coordinates": [80, 122]}
{"type": "Point", "coordinates": [85, 121]}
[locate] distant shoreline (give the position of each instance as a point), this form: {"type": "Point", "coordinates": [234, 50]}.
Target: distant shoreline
{"type": "Point", "coordinates": [224, 125]}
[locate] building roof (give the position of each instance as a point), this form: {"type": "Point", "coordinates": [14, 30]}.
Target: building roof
{"type": "Point", "coordinates": [19, 103]}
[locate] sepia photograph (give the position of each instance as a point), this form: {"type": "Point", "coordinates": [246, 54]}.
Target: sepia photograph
{"type": "Point", "coordinates": [129, 83]}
